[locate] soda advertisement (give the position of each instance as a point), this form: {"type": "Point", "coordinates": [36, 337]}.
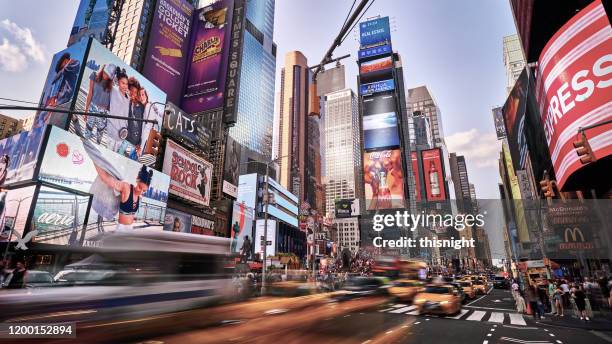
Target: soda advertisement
{"type": "Point", "coordinates": [433, 174]}
{"type": "Point", "coordinates": [374, 31]}
{"type": "Point", "coordinates": [167, 49]}
{"type": "Point", "coordinates": [384, 179]}
{"type": "Point", "coordinates": [375, 51]}
{"type": "Point", "coordinates": [207, 60]}
{"type": "Point", "coordinates": [61, 84]}
{"type": "Point", "coordinates": [185, 128]}
{"type": "Point", "coordinates": [376, 87]}
{"type": "Point", "coordinates": [376, 70]}
{"type": "Point", "coordinates": [15, 205]}
{"type": "Point", "coordinates": [380, 130]}
{"type": "Point", "coordinates": [126, 194]}
{"type": "Point", "coordinates": [91, 21]}
{"type": "Point", "coordinates": [514, 118]}
{"type": "Point", "coordinates": [241, 228]}
{"type": "Point", "coordinates": [110, 86]}
{"type": "Point", "coordinates": [573, 89]}
{"type": "Point", "coordinates": [190, 175]}
{"type": "Point", "coordinates": [415, 173]}
{"type": "Point", "coordinates": [59, 217]}
{"type": "Point", "coordinates": [19, 155]}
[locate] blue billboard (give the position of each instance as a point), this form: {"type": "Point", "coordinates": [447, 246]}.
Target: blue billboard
{"type": "Point", "coordinates": [374, 31]}
{"type": "Point", "coordinates": [376, 87]}
{"type": "Point", "coordinates": [375, 51]}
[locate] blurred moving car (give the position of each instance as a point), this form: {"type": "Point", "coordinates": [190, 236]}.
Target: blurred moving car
{"type": "Point", "coordinates": [468, 288]}
{"type": "Point", "coordinates": [438, 299]}
{"type": "Point", "coordinates": [405, 289]}
{"type": "Point", "coordinates": [33, 279]}
{"type": "Point", "coordinates": [480, 286]}
{"type": "Point", "coordinates": [460, 291]}
{"type": "Point", "coordinates": [500, 282]}
{"type": "Point", "coordinates": [363, 286]}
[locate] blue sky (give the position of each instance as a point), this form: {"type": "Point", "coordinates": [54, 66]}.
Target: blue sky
{"type": "Point", "coordinates": [453, 47]}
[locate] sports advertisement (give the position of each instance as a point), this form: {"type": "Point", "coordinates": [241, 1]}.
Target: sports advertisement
{"type": "Point", "coordinates": [384, 179]}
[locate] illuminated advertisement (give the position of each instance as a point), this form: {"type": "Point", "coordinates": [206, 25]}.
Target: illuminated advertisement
{"type": "Point", "coordinates": [126, 194]}
{"type": "Point", "coordinates": [207, 60]}
{"type": "Point", "coordinates": [514, 118]}
{"type": "Point", "coordinates": [167, 48]}
{"type": "Point", "coordinates": [91, 21]}
{"type": "Point", "coordinates": [498, 119]}
{"type": "Point", "coordinates": [178, 221]}
{"type": "Point", "coordinates": [345, 208]}
{"type": "Point", "coordinates": [384, 179]}
{"type": "Point", "coordinates": [185, 128]}
{"type": "Point", "coordinates": [573, 89]}
{"type": "Point", "coordinates": [380, 130]}
{"type": "Point", "coordinates": [376, 87]}
{"type": "Point", "coordinates": [61, 83]}
{"type": "Point", "coordinates": [375, 51]}
{"type": "Point", "coordinates": [374, 31]}
{"type": "Point", "coordinates": [241, 228]}
{"type": "Point", "coordinates": [15, 205]}
{"type": "Point", "coordinates": [230, 167]}
{"type": "Point", "coordinates": [110, 86]}
{"type": "Point", "coordinates": [376, 70]}
{"type": "Point", "coordinates": [59, 217]}
{"type": "Point", "coordinates": [19, 155]}
{"type": "Point", "coordinates": [190, 175]}
{"type": "Point", "coordinates": [415, 173]}
{"type": "Point", "coordinates": [433, 174]}
{"type": "Point", "coordinates": [270, 238]}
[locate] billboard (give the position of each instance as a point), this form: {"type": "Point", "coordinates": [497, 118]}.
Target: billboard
{"type": "Point", "coordinates": [91, 21]}
{"type": "Point", "coordinates": [346, 208]}
{"type": "Point", "coordinates": [270, 238]}
{"type": "Point", "coordinates": [384, 179]}
{"type": "Point", "coordinates": [416, 174]}
{"type": "Point", "coordinates": [375, 51]}
{"type": "Point", "coordinates": [498, 120]}
{"type": "Point", "coordinates": [376, 87]}
{"type": "Point", "coordinates": [164, 64]}
{"type": "Point", "coordinates": [178, 221]}
{"type": "Point", "coordinates": [241, 228]}
{"type": "Point", "coordinates": [207, 59]}
{"type": "Point", "coordinates": [376, 70]}
{"type": "Point", "coordinates": [236, 43]}
{"type": "Point", "coordinates": [185, 128]}
{"type": "Point", "coordinates": [111, 86]}
{"type": "Point", "coordinates": [231, 166]}
{"type": "Point", "coordinates": [514, 119]}
{"type": "Point", "coordinates": [61, 84]}
{"type": "Point", "coordinates": [374, 31]}
{"type": "Point", "coordinates": [433, 174]}
{"type": "Point", "coordinates": [15, 207]}
{"type": "Point", "coordinates": [380, 130]}
{"type": "Point", "coordinates": [122, 199]}
{"type": "Point", "coordinates": [19, 155]}
{"type": "Point", "coordinates": [573, 88]}
{"type": "Point", "coordinates": [190, 175]}
{"type": "Point", "coordinates": [59, 216]}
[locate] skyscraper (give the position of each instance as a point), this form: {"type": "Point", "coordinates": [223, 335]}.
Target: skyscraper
{"type": "Point", "coordinates": [514, 60]}
{"type": "Point", "coordinates": [132, 33]}
{"type": "Point", "coordinates": [420, 102]}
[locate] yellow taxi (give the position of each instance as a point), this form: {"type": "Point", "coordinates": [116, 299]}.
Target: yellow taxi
{"type": "Point", "coordinates": [480, 286]}
{"type": "Point", "coordinates": [468, 288]}
{"type": "Point", "coordinates": [438, 299]}
{"type": "Point", "coordinates": [405, 289]}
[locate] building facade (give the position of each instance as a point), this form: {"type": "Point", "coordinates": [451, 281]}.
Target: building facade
{"type": "Point", "coordinates": [420, 102]}
{"type": "Point", "coordinates": [132, 31]}
{"type": "Point", "coordinates": [514, 60]}
{"type": "Point", "coordinates": [9, 126]}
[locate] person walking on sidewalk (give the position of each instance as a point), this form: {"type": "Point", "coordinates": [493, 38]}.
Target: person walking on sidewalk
{"type": "Point", "coordinates": [580, 299]}
{"type": "Point", "coordinates": [531, 296]}
{"type": "Point", "coordinates": [566, 293]}
{"type": "Point", "coordinates": [558, 297]}
{"type": "Point", "coordinates": [551, 288]}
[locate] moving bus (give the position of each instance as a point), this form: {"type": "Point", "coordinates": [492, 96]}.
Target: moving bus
{"type": "Point", "coordinates": [396, 267]}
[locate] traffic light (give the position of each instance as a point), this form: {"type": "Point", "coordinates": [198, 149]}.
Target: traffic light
{"type": "Point", "coordinates": [583, 149]}
{"type": "Point", "coordinates": [547, 188]}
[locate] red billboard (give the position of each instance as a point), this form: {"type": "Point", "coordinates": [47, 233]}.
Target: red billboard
{"type": "Point", "coordinates": [573, 89]}
{"type": "Point", "coordinates": [415, 173]}
{"type": "Point", "coordinates": [384, 179]}
{"type": "Point", "coordinates": [434, 174]}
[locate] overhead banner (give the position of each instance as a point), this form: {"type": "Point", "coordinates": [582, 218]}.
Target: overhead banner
{"type": "Point", "coordinates": [207, 60]}
{"type": "Point", "coordinates": [185, 128]}
{"type": "Point", "coordinates": [434, 174]}
{"type": "Point", "coordinates": [384, 179]}
{"type": "Point", "coordinates": [190, 175]}
{"type": "Point", "coordinates": [374, 32]}
{"type": "Point", "coordinates": [167, 48]}
{"type": "Point", "coordinates": [573, 89]}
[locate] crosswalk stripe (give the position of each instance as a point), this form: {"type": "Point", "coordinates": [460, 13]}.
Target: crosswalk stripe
{"type": "Point", "coordinates": [517, 319]}
{"type": "Point", "coordinates": [403, 309]}
{"type": "Point", "coordinates": [398, 305]}
{"type": "Point", "coordinates": [413, 313]}
{"type": "Point", "coordinates": [476, 316]}
{"type": "Point", "coordinates": [463, 311]}
{"type": "Point", "coordinates": [497, 317]}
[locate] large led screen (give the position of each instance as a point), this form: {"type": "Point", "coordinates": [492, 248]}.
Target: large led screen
{"type": "Point", "coordinates": [384, 179]}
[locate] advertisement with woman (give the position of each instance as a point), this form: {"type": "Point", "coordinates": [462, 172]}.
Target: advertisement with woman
{"type": "Point", "coordinates": [19, 155]}
{"type": "Point", "coordinates": [109, 86]}
{"type": "Point", "coordinates": [127, 195]}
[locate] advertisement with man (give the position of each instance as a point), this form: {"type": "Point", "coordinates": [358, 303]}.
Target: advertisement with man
{"type": "Point", "coordinates": [185, 128]}
{"type": "Point", "coordinates": [19, 155]}
{"type": "Point", "coordinates": [127, 195]}
{"type": "Point", "coordinates": [434, 174]}
{"type": "Point", "coordinates": [384, 179]}
{"type": "Point", "coordinates": [190, 175]}
{"type": "Point", "coordinates": [91, 21]}
{"type": "Point", "coordinates": [168, 43]}
{"type": "Point", "coordinates": [573, 89]}
{"type": "Point", "coordinates": [241, 229]}
{"type": "Point", "coordinates": [110, 86]}
{"type": "Point", "coordinates": [374, 31]}
{"type": "Point", "coordinates": [207, 59]}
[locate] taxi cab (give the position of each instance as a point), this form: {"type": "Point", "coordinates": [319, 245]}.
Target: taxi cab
{"type": "Point", "coordinates": [405, 289]}
{"type": "Point", "coordinates": [438, 299]}
{"type": "Point", "coordinates": [480, 286]}
{"type": "Point", "coordinates": [468, 288]}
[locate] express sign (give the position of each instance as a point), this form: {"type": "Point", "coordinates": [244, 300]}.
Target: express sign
{"type": "Point", "coordinates": [573, 89]}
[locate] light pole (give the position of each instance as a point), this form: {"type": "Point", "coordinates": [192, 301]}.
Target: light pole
{"type": "Point", "coordinates": [8, 243]}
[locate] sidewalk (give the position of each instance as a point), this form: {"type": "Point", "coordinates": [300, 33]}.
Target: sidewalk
{"type": "Point", "coordinates": [597, 323]}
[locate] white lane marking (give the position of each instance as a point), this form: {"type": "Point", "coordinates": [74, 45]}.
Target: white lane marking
{"type": "Point", "coordinates": [404, 309]}
{"type": "Point", "coordinates": [545, 330]}
{"type": "Point", "coordinates": [492, 330]}
{"type": "Point", "coordinates": [515, 340]}
{"type": "Point", "coordinates": [418, 322]}
{"type": "Point", "coordinates": [492, 309]}
{"type": "Point", "coordinates": [560, 342]}
{"type": "Point", "coordinates": [427, 319]}
{"type": "Point", "coordinates": [414, 312]}
{"type": "Point", "coordinates": [463, 311]}
{"type": "Point", "coordinates": [386, 310]}
{"type": "Point", "coordinates": [485, 342]}
{"type": "Point", "coordinates": [476, 300]}
{"type": "Point", "coordinates": [399, 305]}
{"type": "Point", "coordinates": [388, 332]}
{"type": "Point", "coordinates": [517, 319]}
{"type": "Point", "coordinates": [476, 316]}
{"type": "Point", "coordinates": [550, 334]}
{"type": "Point", "coordinates": [346, 316]}
{"type": "Point", "coordinates": [276, 311]}
{"type": "Point", "coordinates": [497, 317]}
{"type": "Point", "coordinates": [489, 335]}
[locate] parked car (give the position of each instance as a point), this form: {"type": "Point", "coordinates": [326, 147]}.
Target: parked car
{"type": "Point", "coordinates": [405, 289]}
{"type": "Point", "coordinates": [438, 299]}
{"type": "Point", "coordinates": [33, 279]}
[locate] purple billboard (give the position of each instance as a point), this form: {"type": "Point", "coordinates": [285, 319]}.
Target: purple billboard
{"type": "Point", "coordinates": [208, 54]}
{"type": "Point", "coordinates": [167, 49]}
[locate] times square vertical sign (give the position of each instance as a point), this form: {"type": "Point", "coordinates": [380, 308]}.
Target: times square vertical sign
{"type": "Point", "coordinates": [232, 85]}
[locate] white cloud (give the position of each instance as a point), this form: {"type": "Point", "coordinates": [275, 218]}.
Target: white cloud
{"type": "Point", "coordinates": [479, 149]}
{"type": "Point", "coordinates": [19, 47]}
